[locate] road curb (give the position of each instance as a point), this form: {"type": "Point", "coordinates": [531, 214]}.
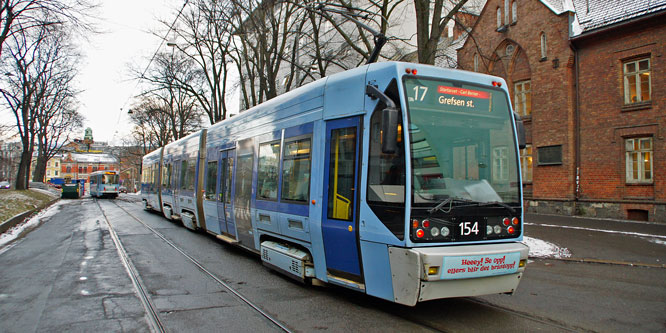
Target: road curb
{"type": "Point", "coordinates": [12, 222]}
{"type": "Point", "coordinates": [605, 262]}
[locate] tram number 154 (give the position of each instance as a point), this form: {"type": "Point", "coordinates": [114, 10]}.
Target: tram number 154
{"type": "Point", "coordinates": [468, 228]}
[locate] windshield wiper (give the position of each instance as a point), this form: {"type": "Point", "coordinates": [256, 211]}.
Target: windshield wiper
{"type": "Point", "coordinates": [446, 201]}
{"type": "Point", "coordinates": [480, 204]}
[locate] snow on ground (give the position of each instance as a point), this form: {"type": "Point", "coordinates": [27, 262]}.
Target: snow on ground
{"type": "Point", "coordinates": [542, 249]}
{"type": "Point", "coordinates": [16, 231]}
{"type": "Point", "coordinates": [52, 193]}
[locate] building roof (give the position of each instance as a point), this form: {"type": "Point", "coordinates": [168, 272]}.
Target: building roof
{"type": "Point", "coordinates": [94, 158]}
{"type": "Point", "coordinates": [595, 14]}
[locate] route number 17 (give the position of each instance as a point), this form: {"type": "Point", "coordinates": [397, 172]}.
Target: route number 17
{"type": "Point", "coordinates": [420, 96]}
{"type": "Point", "coordinates": [468, 228]}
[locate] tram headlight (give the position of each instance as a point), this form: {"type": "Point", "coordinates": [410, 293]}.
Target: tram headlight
{"type": "Point", "coordinates": [445, 231]}
{"type": "Point", "coordinates": [489, 230]}
{"type": "Point", "coordinates": [497, 229]}
{"type": "Point", "coordinates": [434, 232]}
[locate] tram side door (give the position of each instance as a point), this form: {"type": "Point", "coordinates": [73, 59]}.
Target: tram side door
{"type": "Point", "coordinates": [225, 193]}
{"type": "Point", "coordinates": [339, 216]}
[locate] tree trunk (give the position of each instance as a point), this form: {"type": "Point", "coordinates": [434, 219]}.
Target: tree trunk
{"type": "Point", "coordinates": [40, 167]}
{"type": "Point", "coordinates": [23, 174]}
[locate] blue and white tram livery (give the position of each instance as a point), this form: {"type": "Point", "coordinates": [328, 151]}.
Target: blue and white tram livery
{"type": "Point", "coordinates": [104, 184]}
{"type": "Point", "coordinates": [398, 180]}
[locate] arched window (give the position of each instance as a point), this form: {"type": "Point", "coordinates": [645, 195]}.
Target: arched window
{"type": "Point", "coordinates": [499, 17]}
{"type": "Point", "coordinates": [544, 50]}
{"type": "Point", "coordinates": [506, 12]}
{"type": "Point", "coordinates": [514, 12]}
{"type": "Point", "coordinates": [476, 62]}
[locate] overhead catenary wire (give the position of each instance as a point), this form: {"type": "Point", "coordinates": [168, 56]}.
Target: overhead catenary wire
{"type": "Point", "coordinates": [152, 58]}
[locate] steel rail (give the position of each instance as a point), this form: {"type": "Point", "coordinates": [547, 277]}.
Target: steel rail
{"type": "Point", "coordinates": [153, 317]}
{"type": "Point", "coordinates": [211, 275]}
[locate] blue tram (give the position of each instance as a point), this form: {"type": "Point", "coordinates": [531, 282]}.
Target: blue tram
{"type": "Point", "coordinates": [104, 184]}
{"type": "Point", "coordinates": [398, 180]}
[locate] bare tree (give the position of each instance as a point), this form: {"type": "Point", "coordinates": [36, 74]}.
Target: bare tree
{"type": "Point", "coordinates": [19, 16]}
{"type": "Point", "coordinates": [25, 68]}
{"type": "Point", "coordinates": [204, 39]}
{"type": "Point", "coordinates": [57, 117]}
{"type": "Point", "coordinates": [429, 29]}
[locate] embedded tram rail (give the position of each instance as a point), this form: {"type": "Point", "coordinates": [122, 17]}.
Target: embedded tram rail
{"type": "Point", "coordinates": [153, 317]}
{"type": "Point", "coordinates": [416, 317]}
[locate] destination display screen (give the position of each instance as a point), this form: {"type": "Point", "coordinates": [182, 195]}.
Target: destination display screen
{"type": "Point", "coordinates": [450, 97]}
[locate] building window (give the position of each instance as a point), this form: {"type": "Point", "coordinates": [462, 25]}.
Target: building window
{"type": "Point", "coordinates": [639, 160]}
{"type": "Point", "coordinates": [476, 62]}
{"type": "Point", "coordinates": [637, 86]}
{"type": "Point", "coordinates": [544, 46]}
{"type": "Point", "coordinates": [499, 17]}
{"type": "Point", "coordinates": [514, 12]}
{"type": "Point", "coordinates": [500, 165]}
{"type": "Point", "coordinates": [506, 12]}
{"type": "Point", "coordinates": [523, 98]}
{"type": "Point", "coordinates": [526, 163]}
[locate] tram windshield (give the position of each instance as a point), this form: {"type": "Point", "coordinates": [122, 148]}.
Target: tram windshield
{"type": "Point", "coordinates": [462, 143]}
{"type": "Point", "coordinates": [110, 179]}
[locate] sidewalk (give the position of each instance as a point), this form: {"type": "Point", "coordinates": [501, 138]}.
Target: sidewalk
{"type": "Point", "coordinates": [604, 240]}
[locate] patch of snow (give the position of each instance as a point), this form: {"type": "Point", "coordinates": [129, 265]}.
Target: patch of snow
{"type": "Point", "coordinates": [657, 241]}
{"type": "Point", "coordinates": [50, 193]}
{"type": "Point", "coordinates": [16, 231]}
{"type": "Point", "coordinates": [542, 249]}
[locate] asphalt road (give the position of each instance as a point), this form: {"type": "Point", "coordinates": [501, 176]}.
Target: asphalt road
{"type": "Point", "coordinates": [67, 275]}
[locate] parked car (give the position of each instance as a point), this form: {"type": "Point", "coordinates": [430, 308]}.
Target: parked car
{"type": "Point", "coordinates": [122, 189]}
{"type": "Point", "coordinates": [5, 184]}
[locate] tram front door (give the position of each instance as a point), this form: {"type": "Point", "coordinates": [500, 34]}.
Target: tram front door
{"type": "Point", "coordinates": [339, 216]}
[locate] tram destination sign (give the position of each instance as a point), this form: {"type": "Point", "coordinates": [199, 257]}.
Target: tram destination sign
{"type": "Point", "coordinates": [445, 96]}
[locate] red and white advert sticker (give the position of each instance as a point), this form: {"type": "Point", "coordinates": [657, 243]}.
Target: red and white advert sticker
{"type": "Point", "coordinates": [466, 267]}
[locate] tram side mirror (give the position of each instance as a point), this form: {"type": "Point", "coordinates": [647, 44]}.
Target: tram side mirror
{"type": "Point", "coordinates": [520, 128]}
{"type": "Point", "coordinates": [389, 130]}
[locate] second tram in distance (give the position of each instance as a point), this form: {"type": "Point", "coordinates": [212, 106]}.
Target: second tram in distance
{"type": "Point", "coordinates": [104, 184]}
{"type": "Point", "coordinates": [398, 180]}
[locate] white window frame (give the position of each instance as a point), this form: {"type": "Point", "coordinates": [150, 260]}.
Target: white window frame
{"type": "Point", "coordinates": [639, 160]}
{"type": "Point", "coordinates": [514, 12]}
{"type": "Point", "coordinates": [520, 98]}
{"type": "Point", "coordinates": [636, 76]}
{"type": "Point", "coordinates": [476, 62]}
{"type": "Point", "coordinates": [499, 17]}
{"type": "Point", "coordinates": [526, 163]}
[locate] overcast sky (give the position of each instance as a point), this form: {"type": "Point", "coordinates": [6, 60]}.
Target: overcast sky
{"type": "Point", "coordinates": [127, 38]}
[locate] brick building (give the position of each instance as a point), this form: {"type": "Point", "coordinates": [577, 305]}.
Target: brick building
{"type": "Point", "coordinates": [588, 79]}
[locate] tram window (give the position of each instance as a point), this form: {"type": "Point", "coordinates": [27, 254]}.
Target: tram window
{"type": "Point", "coordinates": [296, 170]}
{"type": "Point", "coordinates": [227, 179]}
{"type": "Point", "coordinates": [244, 181]}
{"type": "Point", "coordinates": [342, 173]}
{"type": "Point", "coordinates": [183, 174]}
{"type": "Point", "coordinates": [191, 173]}
{"type": "Point", "coordinates": [211, 177]}
{"type": "Point", "coordinates": [267, 172]}
{"type": "Point", "coordinates": [386, 173]}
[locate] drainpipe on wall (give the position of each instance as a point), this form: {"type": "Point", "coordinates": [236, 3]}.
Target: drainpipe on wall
{"type": "Point", "coordinates": [577, 127]}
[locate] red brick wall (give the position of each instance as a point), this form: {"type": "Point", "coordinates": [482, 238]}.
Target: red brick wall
{"type": "Point", "coordinates": [552, 121]}
{"type": "Point", "coordinates": [606, 122]}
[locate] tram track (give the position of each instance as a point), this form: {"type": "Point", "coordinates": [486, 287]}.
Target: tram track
{"type": "Point", "coordinates": [545, 322]}
{"type": "Point", "coordinates": [239, 296]}
{"type": "Point", "coordinates": [153, 317]}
